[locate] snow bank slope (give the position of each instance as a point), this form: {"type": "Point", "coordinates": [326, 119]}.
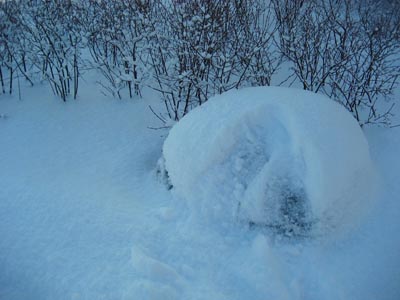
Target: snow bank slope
{"type": "Point", "coordinates": [272, 156]}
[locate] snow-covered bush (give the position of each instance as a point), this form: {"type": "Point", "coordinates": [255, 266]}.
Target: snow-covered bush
{"type": "Point", "coordinates": [284, 159]}
{"type": "Point", "coordinates": [348, 50]}
{"type": "Point", "coordinates": [189, 51]}
{"type": "Point", "coordinates": [203, 48]}
{"type": "Point", "coordinates": [42, 38]}
{"type": "Point", "coordinates": [14, 48]}
{"type": "Point", "coordinates": [117, 35]}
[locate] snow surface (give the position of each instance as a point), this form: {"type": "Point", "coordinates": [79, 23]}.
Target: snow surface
{"type": "Point", "coordinates": [83, 216]}
{"type": "Point", "coordinates": [244, 153]}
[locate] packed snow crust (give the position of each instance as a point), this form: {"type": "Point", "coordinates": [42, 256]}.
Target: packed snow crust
{"type": "Point", "coordinates": [273, 157]}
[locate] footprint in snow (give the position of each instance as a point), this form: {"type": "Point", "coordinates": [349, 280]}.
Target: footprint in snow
{"type": "Point", "coordinates": [158, 278]}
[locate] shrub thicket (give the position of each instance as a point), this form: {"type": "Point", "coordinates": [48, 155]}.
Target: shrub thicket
{"type": "Point", "coordinates": [189, 51]}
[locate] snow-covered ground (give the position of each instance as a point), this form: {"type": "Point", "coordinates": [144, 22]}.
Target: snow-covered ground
{"type": "Point", "coordinates": [84, 216]}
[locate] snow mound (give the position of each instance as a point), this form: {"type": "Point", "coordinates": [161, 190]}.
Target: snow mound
{"type": "Point", "coordinates": [285, 159]}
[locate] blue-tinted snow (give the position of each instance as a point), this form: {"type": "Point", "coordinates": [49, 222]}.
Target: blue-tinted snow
{"type": "Point", "coordinates": [82, 216]}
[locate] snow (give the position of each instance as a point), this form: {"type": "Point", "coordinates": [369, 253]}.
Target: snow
{"type": "Point", "coordinates": [71, 194]}
{"type": "Point", "coordinates": [83, 216]}
{"type": "Point", "coordinates": [243, 153]}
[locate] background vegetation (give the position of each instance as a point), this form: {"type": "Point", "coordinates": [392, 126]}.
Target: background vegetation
{"type": "Point", "coordinates": [191, 50]}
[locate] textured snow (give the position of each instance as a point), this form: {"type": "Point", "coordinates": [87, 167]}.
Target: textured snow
{"type": "Point", "coordinates": [83, 216]}
{"type": "Point", "coordinates": [244, 153]}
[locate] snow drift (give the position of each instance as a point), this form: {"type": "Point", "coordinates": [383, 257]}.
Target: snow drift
{"type": "Point", "coordinates": [285, 159]}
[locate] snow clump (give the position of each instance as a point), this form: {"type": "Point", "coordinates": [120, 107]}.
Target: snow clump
{"type": "Point", "coordinates": [282, 159]}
